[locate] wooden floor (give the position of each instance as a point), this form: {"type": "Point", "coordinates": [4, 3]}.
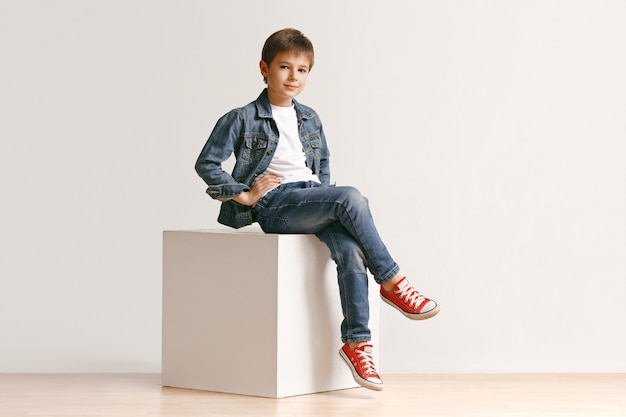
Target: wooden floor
{"type": "Point", "coordinates": [137, 395]}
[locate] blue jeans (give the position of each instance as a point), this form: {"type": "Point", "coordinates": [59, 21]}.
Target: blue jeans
{"type": "Point", "coordinates": [340, 217]}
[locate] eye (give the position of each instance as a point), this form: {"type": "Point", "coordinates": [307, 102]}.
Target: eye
{"type": "Point", "coordinates": [303, 70]}
{"type": "Point", "coordinates": [284, 67]}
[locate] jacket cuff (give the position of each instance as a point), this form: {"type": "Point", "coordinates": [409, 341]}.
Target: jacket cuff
{"type": "Point", "coordinates": [226, 192]}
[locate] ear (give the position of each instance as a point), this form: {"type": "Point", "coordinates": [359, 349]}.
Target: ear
{"type": "Point", "coordinates": [264, 68]}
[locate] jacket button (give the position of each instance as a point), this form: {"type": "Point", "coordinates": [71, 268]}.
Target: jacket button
{"type": "Point", "coordinates": [269, 152]}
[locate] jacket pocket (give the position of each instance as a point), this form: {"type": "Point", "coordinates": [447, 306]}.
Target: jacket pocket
{"type": "Point", "coordinates": [254, 147]}
{"type": "Point", "coordinates": [313, 152]}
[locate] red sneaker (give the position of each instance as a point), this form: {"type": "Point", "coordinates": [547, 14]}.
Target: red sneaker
{"type": "Point", "coordinates": [409, 301]}
{"type": "Point", "coordinates": [360, 362]}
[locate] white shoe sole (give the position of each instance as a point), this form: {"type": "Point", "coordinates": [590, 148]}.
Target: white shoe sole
{"type": "Point", "coordinates": [412, 316]}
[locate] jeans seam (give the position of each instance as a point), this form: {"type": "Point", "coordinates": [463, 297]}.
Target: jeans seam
{"type": "Point", "coordinates": [379, 278]}
{"type": "Point", "coordinates": [344, 302]}
{"type": "Point", "coordinates": [383, 277]}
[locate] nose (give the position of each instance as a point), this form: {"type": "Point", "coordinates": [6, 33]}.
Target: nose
{"type": "Point", "coordinates": [293, 74]}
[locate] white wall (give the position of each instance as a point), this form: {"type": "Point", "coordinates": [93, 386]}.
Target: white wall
{"type": "Point", "coordinates": [489, 137]}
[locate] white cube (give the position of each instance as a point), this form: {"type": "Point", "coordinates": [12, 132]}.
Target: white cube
{"type": "Point", "coordinates": [246, 312]}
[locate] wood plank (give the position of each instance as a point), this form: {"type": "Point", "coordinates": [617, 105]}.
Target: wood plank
{"type": "Point", "coordinates": [484, 395]}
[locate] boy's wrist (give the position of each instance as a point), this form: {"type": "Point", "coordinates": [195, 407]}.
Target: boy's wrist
{"type": "Point", "coordinates": [243, 198]}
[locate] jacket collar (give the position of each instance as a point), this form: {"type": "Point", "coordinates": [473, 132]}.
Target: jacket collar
{"type": "Point", "coordinates": [264, 108]}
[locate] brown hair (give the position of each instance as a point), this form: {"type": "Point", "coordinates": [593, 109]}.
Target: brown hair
{"type": "Point", "coordinates": [287, 40]}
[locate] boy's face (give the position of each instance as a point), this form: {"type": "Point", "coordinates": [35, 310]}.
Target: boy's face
{"type": "Point", "coordinates": [286, 77]}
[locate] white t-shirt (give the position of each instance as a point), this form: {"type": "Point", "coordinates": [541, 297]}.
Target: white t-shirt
{"type": "Point", "coordinates": [289, 161]}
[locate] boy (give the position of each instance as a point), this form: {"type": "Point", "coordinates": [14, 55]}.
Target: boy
{"type": "Point", "coordinates": [281, 179]}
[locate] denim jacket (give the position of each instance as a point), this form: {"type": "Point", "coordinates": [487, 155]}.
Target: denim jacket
{"type": "Point", "coordinates": [251, 133]}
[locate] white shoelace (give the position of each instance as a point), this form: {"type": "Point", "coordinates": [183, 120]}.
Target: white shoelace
{"type": "Point", "coordinates": [366, 360]}
{"type": "Point", "coordinates": [412, 297]}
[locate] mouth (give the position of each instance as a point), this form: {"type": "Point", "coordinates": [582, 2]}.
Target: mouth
{"type": "Point", "coordinates": [291, 87]}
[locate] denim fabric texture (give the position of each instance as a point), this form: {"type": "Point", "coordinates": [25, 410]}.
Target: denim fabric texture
{"type": "Point", "coordinates": [251, 134]}
{"type": "Point", "coordinates": [338, 215]}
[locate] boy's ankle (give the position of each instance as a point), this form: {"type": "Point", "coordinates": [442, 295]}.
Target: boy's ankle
{"type": "Point", "coordinates": [390, 285]}
{"type": "Point", "coordinates": [354, 345]}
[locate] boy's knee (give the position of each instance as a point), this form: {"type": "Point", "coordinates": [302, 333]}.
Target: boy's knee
{"type": "Point", "coordinates": [354, 196]}
{"type": "Point", "coordinates": [351, 193]}
{"type": "Point", "coordinates": [352, 259]}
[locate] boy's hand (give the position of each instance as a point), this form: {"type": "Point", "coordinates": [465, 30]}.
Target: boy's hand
{"type": "Point", "coordinates": [264, 184]}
